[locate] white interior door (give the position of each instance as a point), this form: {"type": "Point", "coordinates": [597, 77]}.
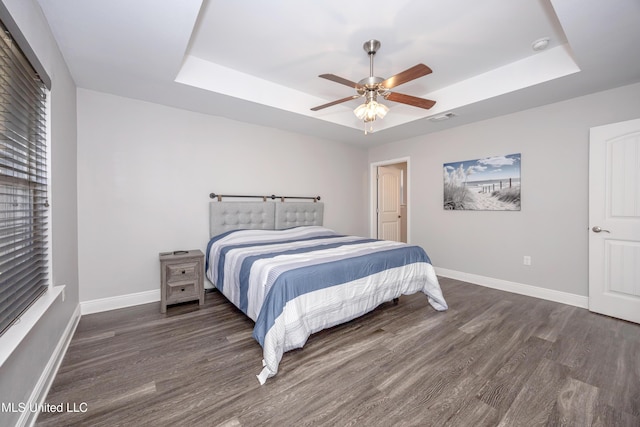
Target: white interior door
{"type": "Point", "coordinates": [614, 220]}
{"type": "Point", "coordinates": [389, 203]}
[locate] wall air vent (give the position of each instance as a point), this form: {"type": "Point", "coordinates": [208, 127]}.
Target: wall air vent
{"type": "Point", "coordinates": [441, 117]}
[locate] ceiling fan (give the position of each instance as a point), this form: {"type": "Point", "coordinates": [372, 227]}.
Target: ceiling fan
{"type": "Point", "coordinates": [371, 87]}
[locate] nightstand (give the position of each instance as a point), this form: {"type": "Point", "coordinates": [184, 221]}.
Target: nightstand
{"type": "Point", "coordinates": [181, 277]}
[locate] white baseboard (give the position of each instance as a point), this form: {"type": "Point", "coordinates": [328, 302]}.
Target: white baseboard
{"type": "Point", "coordinates": [41, 389]}
{"type": "Point", "coordinates": [517, 288]}
{"type": "Point", "coordinates": [120, 301]}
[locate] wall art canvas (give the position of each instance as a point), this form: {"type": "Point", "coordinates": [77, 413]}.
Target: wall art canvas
{"type": "Point", "coordinates": [487, 184]}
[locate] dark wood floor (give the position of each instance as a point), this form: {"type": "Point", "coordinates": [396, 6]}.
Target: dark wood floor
{"type": "Point", "coordinates": [493, 359]}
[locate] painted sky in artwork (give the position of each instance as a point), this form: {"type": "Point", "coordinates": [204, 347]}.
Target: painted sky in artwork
{"type": "Point", "coordinates": [487, 168]}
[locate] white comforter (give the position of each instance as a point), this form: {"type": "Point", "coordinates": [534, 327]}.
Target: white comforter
{"type": "Point", "coordinates": [298, 281]}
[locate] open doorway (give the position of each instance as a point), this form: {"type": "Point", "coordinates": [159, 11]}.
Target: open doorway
{"type": "Point", "coordinates": [390, 200]}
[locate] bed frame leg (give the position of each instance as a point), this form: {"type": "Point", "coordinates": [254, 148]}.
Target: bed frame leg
{"type": "Point", "coordinates": [395, 301]}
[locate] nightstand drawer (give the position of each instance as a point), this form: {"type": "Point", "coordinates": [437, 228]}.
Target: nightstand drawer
{"type": "Point", "coordinates": [182, 272]}
{"type": "Point", "coordinates": [181, 291]}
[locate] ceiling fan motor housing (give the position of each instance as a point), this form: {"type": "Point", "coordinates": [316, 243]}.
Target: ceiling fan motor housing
{"type": "Point", "coordinates": [369, 83]}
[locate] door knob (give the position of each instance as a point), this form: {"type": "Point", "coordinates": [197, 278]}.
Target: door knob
{"type": "Point", "coordinates": [597, 229]}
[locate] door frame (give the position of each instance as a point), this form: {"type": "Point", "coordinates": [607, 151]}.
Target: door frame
{"type": "Point", "coordinates": [373, 194]}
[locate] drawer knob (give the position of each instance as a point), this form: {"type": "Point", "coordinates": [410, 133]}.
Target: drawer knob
{"type": "Point", "coordinates": [182, 290]}
{"type": "Point", "coordinates": [183, 271]}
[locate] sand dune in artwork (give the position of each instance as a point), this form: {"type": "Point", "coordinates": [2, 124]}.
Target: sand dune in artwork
{"type": "Point", "coordinates": [488, 202]}
{"type": "Point", "coordinates": [461, 197]}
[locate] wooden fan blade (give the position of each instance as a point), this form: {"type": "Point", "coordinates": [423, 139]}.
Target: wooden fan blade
{"type": "Point", "coordinates": [410, 100]}
{"type": "Point", "coordinates": [340, 80]}
{"type": "Point", "coordinates": [406, 76]}
{"type": "Point", "coordinates": [339, 101]}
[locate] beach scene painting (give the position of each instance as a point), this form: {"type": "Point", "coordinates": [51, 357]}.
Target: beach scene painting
{"type": "Point", "coordinates": [487, 184]}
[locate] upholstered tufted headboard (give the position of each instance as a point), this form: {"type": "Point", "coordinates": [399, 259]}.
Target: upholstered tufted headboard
{"type": "Point", "coordinates": [293, 214]}
{"type": "Point", "coordinates": [226, 216]}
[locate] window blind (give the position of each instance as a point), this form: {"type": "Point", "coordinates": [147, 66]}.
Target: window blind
{"type": "Point", "coordinates": [23, 183]}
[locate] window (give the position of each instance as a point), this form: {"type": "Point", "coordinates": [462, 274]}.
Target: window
{"type": "Point", "coordinates": [23, 183]}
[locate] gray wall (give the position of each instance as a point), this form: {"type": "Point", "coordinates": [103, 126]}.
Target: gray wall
{"type": "Point", "coordinates": [21, 372]}
{"type": "Point", "coordinates": [146, 170]}
{"type": "Point", "coordinates": [552, 225]}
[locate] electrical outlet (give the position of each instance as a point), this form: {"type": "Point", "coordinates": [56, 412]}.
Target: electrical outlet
{"type": "Point", "coordinates": [526, 260]}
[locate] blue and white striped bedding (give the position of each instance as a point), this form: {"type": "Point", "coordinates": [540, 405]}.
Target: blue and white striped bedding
{"type": "Point", "coordinates": [301, 280]}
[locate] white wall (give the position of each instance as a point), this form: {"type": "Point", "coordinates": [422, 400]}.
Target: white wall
{"type": "Point", "coordinates": [552, 225]}
{"type": "Point", "coordinates": [26, 368]}
{"type": "Point", "coordinates": [145, 172]}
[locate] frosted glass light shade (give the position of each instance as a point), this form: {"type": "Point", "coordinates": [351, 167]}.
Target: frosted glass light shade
{"type": "Point", "coordinates": [369, 111]}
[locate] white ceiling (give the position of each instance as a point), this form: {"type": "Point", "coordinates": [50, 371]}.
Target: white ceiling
{"type": "Point", "coordinates": [259, 61]}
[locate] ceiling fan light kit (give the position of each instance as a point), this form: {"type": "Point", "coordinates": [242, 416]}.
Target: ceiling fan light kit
{"type": "Point", "coordinates": [372, 86]}
{"type": "Point", "coordinates": [368, 112]}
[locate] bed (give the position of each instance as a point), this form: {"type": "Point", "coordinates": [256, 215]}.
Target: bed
{"type": "Point", "coordinates": [293, 277]}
